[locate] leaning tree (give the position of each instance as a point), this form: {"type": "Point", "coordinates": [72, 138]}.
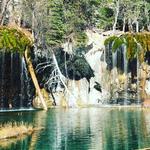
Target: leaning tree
{"type": "Point", "coordinates": [16, 39]}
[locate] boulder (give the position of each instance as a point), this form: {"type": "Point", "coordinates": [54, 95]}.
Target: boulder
{"type": "Point", "coordinates": [146, 103]}
{"type": "Point", "coordinates": [47, 98]}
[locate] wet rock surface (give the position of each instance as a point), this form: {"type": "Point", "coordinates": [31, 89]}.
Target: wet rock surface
{"type": "Point", "coordinates": [123, 101]}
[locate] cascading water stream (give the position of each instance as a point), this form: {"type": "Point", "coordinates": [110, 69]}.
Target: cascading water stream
{"type": "Point", "coordinates": [104, 55]}
{"type": "Point", "coordinates": [138, 81]}
{"type": "Point", "coordinates": [125, 68]}
{"type": "Point", "coordinates": [2, 79]}
{"type": "Point", "coordinates": [66, 70]}
{"type": "Point", "coordinates": [114, 72]}
{"type": "Point", "coordinates": [22, 81]}
{"type": "Point", "coordinates": [26, 82]}
{"type": "Point", "coordinates": [114, 63]}
{"type": "Point", "coordinates": [11, 77]}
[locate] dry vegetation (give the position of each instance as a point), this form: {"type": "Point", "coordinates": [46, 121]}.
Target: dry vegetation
{"type": "Point", "coordinates": [11, 130]}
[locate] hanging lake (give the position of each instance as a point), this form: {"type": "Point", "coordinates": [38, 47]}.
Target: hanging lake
{"type": "Point", "coordinates": [81, 129]}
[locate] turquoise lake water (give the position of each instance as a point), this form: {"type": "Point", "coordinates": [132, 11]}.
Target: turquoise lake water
{"type": "Point", "coordinates": [82, 129]}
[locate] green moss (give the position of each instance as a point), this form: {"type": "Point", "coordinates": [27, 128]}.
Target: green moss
{"type": "Point", "coordinates": [13, 40]}
{"type": "Point", "coordinates": [131, 46]}
{"type": "Point", "coordinates": [117, 43]}
{"type": "Point", "coordinates": [110, 40]}
{"type": "Point", "coordinates": [81, 39]}
{"type": "Point", "coordinates": [137, 44]}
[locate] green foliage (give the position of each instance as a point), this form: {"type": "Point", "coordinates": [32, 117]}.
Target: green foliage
{"type": "Point", "coordinates": [116, 43]}
{"type": "Point", "coordinates": [78, 15]}
{"type": "Point", "coordinates": [136, 44]}
{"type": "Point", "coordinates": [13, 40]}
{"type": "Point", "coordinates": [77, 66]}
{"type": "Point", "coordinates": [81, 39]}
{"type": "Point", "coordinates": [55, 27]}
{"type": "Point", "coordinates": [68, 20]}
{"type": "Point", "coordinates": [104, 18]}
{"type": "Point", "coordinates": [109, 40]}
{"type": "Point", "coordinates": [57, 21]}
{"type": "Point", "coordinates": [107, 12]}
{"type": "Point", "coordinates": [130, 12]}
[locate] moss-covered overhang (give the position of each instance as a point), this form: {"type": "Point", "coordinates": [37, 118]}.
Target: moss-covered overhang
{"type": "Point", "coordinates": [15, 39]}
{"type": "Point", "coordinates": [137, 44]}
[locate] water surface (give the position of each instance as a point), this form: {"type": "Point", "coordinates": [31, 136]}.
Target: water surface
{"type": "Point", "coordinates": [82, 129]}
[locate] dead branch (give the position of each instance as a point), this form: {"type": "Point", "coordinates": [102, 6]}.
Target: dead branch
{"type": "Point", "coordinates": [4, 11]}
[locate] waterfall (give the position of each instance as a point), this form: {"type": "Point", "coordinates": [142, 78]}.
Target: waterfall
{"type": "Point", "coordinates": [138, 81]}
{"type": "Point", "coordinates": [22, 81]}
{"type": "Point", "coordinates": [26, 83]}
{"type": "Point", "coordinates": [74, 94]}
{"type": "Point", "coordinates": [66, 70]}
{"type": "Point", "coordinates": [25, 100]}
{"type": "Point", "coordinates": [104, 55]}
{"type": "Point", "coordinates": [114, 74]}
{"type": "Point", "coordinates": [125, 68]}
{"type": "Point", "coordinates": [11, 79]}
{"type": "Point", "coordinates": [2, 79]}
{"type": "Point", "coordinates": [114, 64]}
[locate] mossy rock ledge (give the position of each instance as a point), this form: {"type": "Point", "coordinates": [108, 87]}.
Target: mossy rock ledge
{"type": "Point", "coordinates": [15, 39]}
{"type": "Point", "coordinates": [136, 44]}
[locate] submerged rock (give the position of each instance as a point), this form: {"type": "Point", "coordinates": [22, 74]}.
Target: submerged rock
{"type": "Point", "coordinates": [123, 101]}
{"type": "Point", "coordinates": [9, 131]}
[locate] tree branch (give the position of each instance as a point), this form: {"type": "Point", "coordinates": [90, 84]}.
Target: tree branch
{"type": "Point", "coordinates": [4, 11]}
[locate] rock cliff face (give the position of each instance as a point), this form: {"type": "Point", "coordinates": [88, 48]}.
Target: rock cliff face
{"type": "Point", "coordinates": [120, 81]}
{"type": "Point", "coordinates": [96, 59]}
{"type": "Point", "coordinates": [98, 77]}
{"type": "Point", "coordinates": [82, 87]}
{"type": "Point", "coordinates": [96, 91]}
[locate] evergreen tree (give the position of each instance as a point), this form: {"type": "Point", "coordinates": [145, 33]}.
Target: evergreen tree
{"type": "Point", "coordinates": [55, 23]}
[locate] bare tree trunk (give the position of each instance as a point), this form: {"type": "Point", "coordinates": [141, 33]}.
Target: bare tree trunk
{"type": "Point", "coordinates": [65, 104]}
{"type": "Point", "coordinates": [4, 5]}
{"type": "Point", "coordinates": [130, 25]}
{"type": "Point", "coordinates": [146, 10]}
{"type": "Point", "coordinates": [124, 24]}
{"type": "Point", "coordinates": [137, 26]}
{"type": "Point", "coordinates": [34, 79]}
{"type": "Point", "coordinates": [116, 16]}
{"type": "Point", "coordinates": [33, 22]}
{"type": "Point", "coordinates": [60, 74]}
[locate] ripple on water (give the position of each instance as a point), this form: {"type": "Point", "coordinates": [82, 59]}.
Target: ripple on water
{"type": "Point", "coordinates": [84, 129]}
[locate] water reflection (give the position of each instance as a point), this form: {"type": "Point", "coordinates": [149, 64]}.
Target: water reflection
{"type": "Point", "coordinates": [84, 129]}
{"type": "Point", "coordinates": [126, 129]}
